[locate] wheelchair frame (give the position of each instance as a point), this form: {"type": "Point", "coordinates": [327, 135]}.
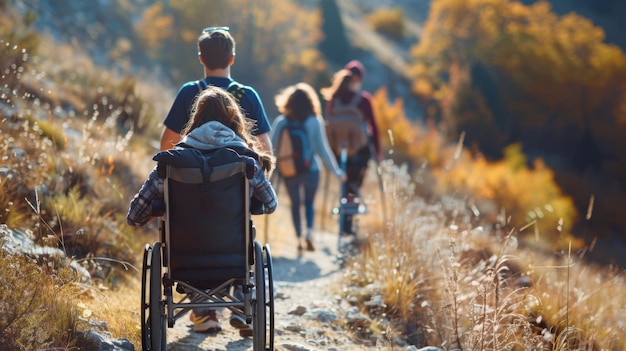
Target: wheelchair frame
{"type": "Point", "coordinates": [160, 280]}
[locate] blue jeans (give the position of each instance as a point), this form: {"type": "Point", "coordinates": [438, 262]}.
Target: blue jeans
{"type": "Point", "coordinates": [304, 184]}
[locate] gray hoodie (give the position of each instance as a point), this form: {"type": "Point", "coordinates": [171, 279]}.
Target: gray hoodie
{"type": "Point", "coordinates": [208, 136]}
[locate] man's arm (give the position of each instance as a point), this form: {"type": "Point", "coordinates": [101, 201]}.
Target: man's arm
{"type": "Point", "coordinates": [266, 142]}
{"type": "Point", "coordinates": [169, 138]}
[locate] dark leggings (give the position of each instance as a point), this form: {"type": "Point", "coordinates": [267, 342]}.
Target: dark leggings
{"type": "Point", "coordinates": [356, 166]}
{"type": "Point", "coordinates": [308, 184]}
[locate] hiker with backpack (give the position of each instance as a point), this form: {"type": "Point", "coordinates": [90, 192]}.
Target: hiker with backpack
{"type": "Point", "coordinates": [299, 136]}
{"type": "Point", "coordinates": [216, 53]}
{"type": "Point", "coordinates": [352, 127]}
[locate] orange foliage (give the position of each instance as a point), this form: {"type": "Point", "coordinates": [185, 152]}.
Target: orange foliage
{"type": "Point", "coordinates": [504, 72]}
{"type": "Point", "coordinates": [154, 26]}
{"type": "Point", "coordinates": [403, 139]}
{"type": "Point", "coordinates": [530, 196]}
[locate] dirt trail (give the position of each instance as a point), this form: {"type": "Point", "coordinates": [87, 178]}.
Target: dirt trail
{"type": "Point", "coordinates": [300, 281]}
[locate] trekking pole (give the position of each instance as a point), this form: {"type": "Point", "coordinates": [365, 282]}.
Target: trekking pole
{"type": "Point", "coordinates": [324, 198]}
{"type": "Point", "coordinates": [343, 194]}
{"type": "Point", "coordinates": [276, 185]}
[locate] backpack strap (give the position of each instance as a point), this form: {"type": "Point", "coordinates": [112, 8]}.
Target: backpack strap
{"type": "Point", "coordinates": [201, 84]}
{"type": "Point", "coordinates": [235, 88]}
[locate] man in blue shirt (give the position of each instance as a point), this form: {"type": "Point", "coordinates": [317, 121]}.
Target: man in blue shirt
{"type": "Point", "coordinates": [216, 52]}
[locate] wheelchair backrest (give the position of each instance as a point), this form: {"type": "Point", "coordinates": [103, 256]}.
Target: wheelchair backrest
{"type": "Point", "coordinates": [207, 213]}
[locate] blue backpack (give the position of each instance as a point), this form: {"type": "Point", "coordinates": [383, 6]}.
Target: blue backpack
{"type": "Point", "coordinates": [293, 154]}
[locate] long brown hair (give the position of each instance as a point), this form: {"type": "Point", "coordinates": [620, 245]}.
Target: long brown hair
{"type": "Point", "coordinates": [216, 104]}
{"type": "Point", "coordinates": [340, 84]}
{"type": "Point", "coordinates": [299, 101]}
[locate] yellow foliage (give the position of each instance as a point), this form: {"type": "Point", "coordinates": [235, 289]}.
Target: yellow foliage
{"type": "Point", "coordinates": [504, 72]}
{"type": "Point", "coordinates": [388, 21]}
{"type": "Point", "coordinates": [527, 194]}
{"type": "Point", "coordinates": [154, 26]}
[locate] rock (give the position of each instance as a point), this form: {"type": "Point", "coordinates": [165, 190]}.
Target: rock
{"type": "Point", "coordinates": [322, 315]}
{"type": "Point", "coordinates": [355, 319]}
{"type": "Point", "coordinates": [18, 242]}
{"type": "Point", "coordinates": [298, 310]}
{"type": "Point", "coordinates": [375, 302]}
{"type": "Point", "coordinates": [100, 342]}
{"type": "Point", "coordinates": [297, 347]}
{"type": "Point", "coordinates": [294, 327]}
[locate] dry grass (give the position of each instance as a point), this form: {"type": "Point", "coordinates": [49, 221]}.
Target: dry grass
{"type": "Point", "coordinates": [446, 281]}
{"type": "Point", "coordinates": [37, 308]}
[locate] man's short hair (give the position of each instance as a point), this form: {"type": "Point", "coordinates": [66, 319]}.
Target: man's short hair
{"type": "Point", "coordinates": [216, 48]}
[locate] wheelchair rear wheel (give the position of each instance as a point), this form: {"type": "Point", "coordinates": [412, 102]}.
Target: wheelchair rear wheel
{"type": "Point", "coordinates": [145, 302]}
{"type": "Point", "coordinates": [153, 324]}
{"type": "Point", "coordinates": [260, 322]}
{"type": "Point", "coordinates": [270, 294]}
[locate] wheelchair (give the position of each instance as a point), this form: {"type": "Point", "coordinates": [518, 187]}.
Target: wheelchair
{"type": "Point", "coordinates": [207, 247]}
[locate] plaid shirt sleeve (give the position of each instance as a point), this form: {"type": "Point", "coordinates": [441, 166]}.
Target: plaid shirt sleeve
{"type": "Point", "coordinates": [262, 190]}
{"type": "Point", "coordinates": [140, 209]}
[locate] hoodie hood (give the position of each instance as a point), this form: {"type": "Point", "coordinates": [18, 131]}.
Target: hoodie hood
{"type": "Point", "coordinates": [212, 135]}
{"type": "Point", "coordinates": [356, 67]}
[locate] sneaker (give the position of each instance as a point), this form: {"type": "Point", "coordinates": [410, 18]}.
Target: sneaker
{"type": "Point", "coordinates": [205, 324]}
{"type": "Point", "coordinates": [245, 330]}
{"type": "Point", "coordinates": [309, 245]}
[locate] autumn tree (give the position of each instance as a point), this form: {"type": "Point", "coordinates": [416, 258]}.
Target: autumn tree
{"type": "Point", "coordinates": [537, 72]}
{"type": "Point", "coordinates": [505, 72]}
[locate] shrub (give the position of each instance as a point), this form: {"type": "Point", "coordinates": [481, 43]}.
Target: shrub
{"type": "Point", "coordinates": [36, 309]}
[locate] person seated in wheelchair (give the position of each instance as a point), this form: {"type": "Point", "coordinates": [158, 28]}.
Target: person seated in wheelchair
{"type": "Point", "coordinates": [216, 121]}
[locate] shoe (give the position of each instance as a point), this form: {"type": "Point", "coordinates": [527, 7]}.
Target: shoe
{"type": "Point", "coordinates": [348, 233]}
{"type": "Point", "coordinates": [206, 323]}
{"type": "Point", "coordinates": [309, 245]}
{"type": "Point", "coordinates": [245, 330]}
